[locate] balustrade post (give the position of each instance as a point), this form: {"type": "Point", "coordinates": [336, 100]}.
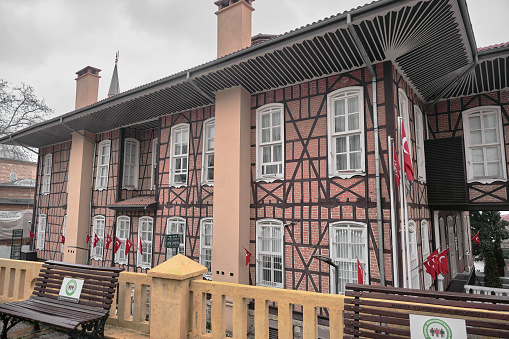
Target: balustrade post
{"type": "Point", "coordinates": [170, 305]}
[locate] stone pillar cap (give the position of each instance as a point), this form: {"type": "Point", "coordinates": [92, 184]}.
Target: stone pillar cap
{"type": "Point", "coordinates": [178, 267]}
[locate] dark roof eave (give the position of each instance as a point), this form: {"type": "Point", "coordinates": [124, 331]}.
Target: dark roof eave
{"type": "Point", "coordinates": [145, 207]}
{"type": "Point", "coordinates": [494, 53]}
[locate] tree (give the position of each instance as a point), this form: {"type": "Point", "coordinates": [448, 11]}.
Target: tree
{"type": "Point", "coordinates": [19, 108]}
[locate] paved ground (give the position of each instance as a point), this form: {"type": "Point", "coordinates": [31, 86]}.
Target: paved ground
{"type": "Point", "coordinates": [24, 331]}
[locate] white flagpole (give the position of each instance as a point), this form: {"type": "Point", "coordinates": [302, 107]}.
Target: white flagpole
{"type": "Point", "coordinates": [394, 234]}
{"type": "Point", "coordinates": [402, 206]}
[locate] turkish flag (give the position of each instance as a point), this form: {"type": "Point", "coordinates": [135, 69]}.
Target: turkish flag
{"type": "Point", "coordinates": [433, 259]}
{"type": "Point", "coordinates": [32, 234]}
{"type": "Point", "coordinates": [409, 170]}
{"type": "Point", "coordinates": [248, 256]}
{"type": "Point", "coordinates": [118, 243]}
{"type": "Point", "coordinates": [96, 240]}
{"type": "Point", "coordinates": [141, 247]}
{"type": "Point", "coordinates": [397, 168]}
{"type": "Point", "coordinates": [429, 268]}
{"type": "Point", "coordinates": [360, 275]}
{"type": "Point", "coordinates": [88, 238]}
{"type": "Point", "coordinates": [128, 245]}
{"type": "Point", "coordinates": [476, 239]}
{"type": "Point", "coordinates": [63, 239]}
{"type": "Point", "coordinates": [442, 261]}
{"type": "Point", "coordinates": [108, 241]}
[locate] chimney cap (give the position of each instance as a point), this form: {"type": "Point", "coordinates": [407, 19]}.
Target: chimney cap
{"type": "Point", "coordinates": [88, 70]}
{"type": "Point", "coordinates": [225, 3]}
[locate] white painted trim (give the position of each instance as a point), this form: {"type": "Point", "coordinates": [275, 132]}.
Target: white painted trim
{"type": "Point", "coordinates": [136, 177]}
{"type": "Point", "coordinates": [139, 257]}
{"type": "Point", "coordinates": [93, 254]}
{"type": "Point", "coordinates": [122, 261]}
{"type": "Point", "coordinates": [419, 145]}
{"type": "Point", "coordinates": [204, 167]}
{"type": "Point", "coordinates": [259, 112]}
{"type": "Point", "coordinates": [153, 164]}
{"type": "Point", "coordinates": [41, 231]}
{"type": "Point", "coordinates": [172, 147]}
{"type": "Point", "coordinates": [98, 185]}
{"type": "Point", "coordinates": [176, 219]}
{"type": "Point", "coordinates": [207, 275]}
{"type": "Point", "coordinates": [274, 223]}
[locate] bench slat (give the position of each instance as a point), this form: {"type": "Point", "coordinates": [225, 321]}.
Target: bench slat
{"type": "Point", "coordinates": [87, 267]}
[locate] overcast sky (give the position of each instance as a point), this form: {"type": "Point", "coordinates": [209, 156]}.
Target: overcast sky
{"type": "Point", "coordinates": [44, 42]}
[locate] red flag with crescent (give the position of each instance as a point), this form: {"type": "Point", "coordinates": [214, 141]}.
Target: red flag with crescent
{"type": "Point", "coordinates": [128, 245]}
{"type": "Point", "coordinates": [32, 234]}
{"type": "Point", "coordinates": [118, 243]}
{"type": "Point", "coordinates": [397, 168]}
{"type": "Point", "coordinates": [409, 170]}
{"type": "Point", "coordinates": [476, 239]}
{"type": "Point", "coordinates": [96, 240]}
{"type": "Point", "coordinates": [360, 273]}
{"type": "Point", "coordinates": [108, 241]}
{"type": "Point", "coordinates": [62, 240]}
{"type": "Point", "coordinates": [442, 261]}
{"type": "Point", "coordinates": [248, 256]}
{"type": "Point", "coordinates": [88, 238]}
{"type": "Point", "coordinates": [141, 247]}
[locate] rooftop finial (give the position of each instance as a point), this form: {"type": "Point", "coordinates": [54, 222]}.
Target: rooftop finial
{"type": "Point", "coordinates": [116, 58]}
{"type": "Point", "coordinates": [114, 86]}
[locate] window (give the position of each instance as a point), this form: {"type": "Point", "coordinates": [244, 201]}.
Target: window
{"type": "Point", "coordinates": [207, 173]}
{"type": "Point", "coordinates": [419, 145]}
{"type": "Point", "coordinates": [425, 252]}
{"type": "Point", "coordinates": [270, 134]}
{"type": "Point", "coordinates": [484, 144]}
{"type": "Point", "coordinates": [179, 155]}
{"type": "Point", "coordinates": [63, 232]}
{"type": "Point", "coordinates": [103, 165]}
{"type": "Point", "coordinates": [41, 232]}
{"type": "Point", "coordinates": [414, 262]}
{"type": "Point", "coordinates": [13, 177]}
{"type": "Point", "coordinates": [46, 180]}
{"type": "Point", "coordinates": [348, 241]}
{"type": "Point", "coordinates": [145, 229]}
{"type": "Point", "coordinates": [123, 228]}
{"type": "Point", "coordinates": [176, 226]}
{"type": "Point", "coordinates": [153, 167]}
{"type": "Point", "coordinates": [459, 237]}
{"type": "Point", "coordinates": [131, 163]}
{"type": "Point", "coordinates": [345, 118]}
{"type": "Point", "coordinates": [269, 253]}
{"type": "Point", "coordinates": [206, 246]}
{"type": "Point", "coordinates": [98, 228]}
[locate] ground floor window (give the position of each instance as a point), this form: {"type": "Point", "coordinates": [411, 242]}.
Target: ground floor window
{"type": "Point", "coordinates": [269, 253]}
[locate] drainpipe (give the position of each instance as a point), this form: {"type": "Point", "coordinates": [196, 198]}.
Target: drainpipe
{"type": "Point", "coordinates": [367, 61]}
{"type": "Point", "coordinates": [394, 237]}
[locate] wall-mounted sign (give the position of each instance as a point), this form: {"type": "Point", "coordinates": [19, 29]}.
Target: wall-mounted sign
{"type": "Point", "coordinates": [173, 240]}
{"type": "Point", "coordinates": [424, 327]}
{"type": "Point", "coordinates": [70, 290]}
{"type": "Point", "coordinates": [10, 215]}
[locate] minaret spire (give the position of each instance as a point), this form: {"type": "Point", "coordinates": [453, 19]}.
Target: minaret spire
{"type": "Point", "coordinates": [114, 86]}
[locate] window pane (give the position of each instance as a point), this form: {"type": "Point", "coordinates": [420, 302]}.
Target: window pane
{"type": "Point", "coordinates": [339, 107]}
{"type": "Point", "coordinates": [339, 124]}
{"type": "Point", "coordinates": [276, 119]}
{"type": "Point", "coordinates": [341, 162]}
{"type": "Point", "coordinates": [355, 160]}
{"type": "Point", "coordinates": [276, 133]}
{"type": "Point", "coordinates": [490, 135]}
{"type": "Point", "coordinates": [266, 135]}
{"type": "Point", "coordinates": [277, 153]}
{"type": "Point", "coordinates": [493, 169]}
{"type": "Point", "coordinates": [353, 122]}
{"type": "Point", "coordinates": [475, 123]}
{"type": "Point", "coordinates": [341, 145]}
{"type": "Point", "coordinates": [477, 155]}
{"type": "Point", "coordinates": [478, 170]}
{"type": "Point", "coordinates": [490, 121]}
{"type": "Point", "coordinates": [265, 120]}
{"type": "Point", "coordinates": [353, 104]}
{"type": "Point", "coordinates": [266, 154]}
{"type": "Point", "coordinates": [476, 137]}
{"type": "Point", "coordinates": [355, 143]}
{"type": "Point", "coordinates": [492, 154]}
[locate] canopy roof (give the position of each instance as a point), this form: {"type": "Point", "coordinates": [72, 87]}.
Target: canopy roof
{"type": "Point", "coordinates": [430, 42]}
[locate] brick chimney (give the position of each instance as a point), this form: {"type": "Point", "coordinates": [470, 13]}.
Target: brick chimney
{"type": "Point", "coordinates": [233, 25]}
{"type": "Point", "coordinates": [87, 86]}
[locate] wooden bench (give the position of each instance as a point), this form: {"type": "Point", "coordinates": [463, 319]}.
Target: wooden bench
{"type": "Point", "coordinates": [383, 312]}
{"type": "Point", "coordinates": [44, 305]}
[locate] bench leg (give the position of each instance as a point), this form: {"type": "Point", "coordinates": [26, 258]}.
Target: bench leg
{"type": "Point", "coordinates": [7, 326]}
{"type": "Point", "coordinates": [96, 329]}
{"type": "Point", "coordinates": [37, 328]}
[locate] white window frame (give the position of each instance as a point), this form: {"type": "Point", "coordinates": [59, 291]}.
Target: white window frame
{"type": "Point", "coordinates": [171, 225]}
{"type": "Point", "coordinates": [41, 231]}
{"type": "Point", "coordinates": [426, 251]}
{"type": "Point", "coordinates": [147, 238]}
{"type": "Point", "coordinates": [414, 258]}
{"type": "Point", "coordinates": [332, 135]}
{"type": "Point", "coordinates": [203, 259]}
{"type": "Point", "coordinates": [153, 164]}
{"type": "Point", "coordinates": [105, 144]}
{"type": "Point", "coordinates": [206, 153]}
{"type": "Point", "coordinates": [273, 224]}
{"type": "Point", "coordinates": [479, 111]}
{"type": "Point", "coordinates": [269, 109]}
{"type": "Point", "coordinates": [64, 224]}
{"type": "Point", "coordinates": [120, 257]}
{"type": "Point", "coordinates": [46, 179]}
{"type": "Point", "coordinates": [135, 166]}
{"type": "Point", "coordinates": [419, 144]}
{"type": "Point", "coordinates": [350, 259]}
{"type": "Point", "coordinates": [98, 228]}
{"type": "Point", "coordinates": [174, 130]}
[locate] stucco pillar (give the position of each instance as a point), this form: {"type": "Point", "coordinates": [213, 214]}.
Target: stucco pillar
{"type": "Point", "coordinates": [78, 198]}
{"type": "Point", "coordinates": [232, 180]}
{"type": "Point", "coordinates": [169, 296]}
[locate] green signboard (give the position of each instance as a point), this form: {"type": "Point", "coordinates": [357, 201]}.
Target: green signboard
{"type": "Point", "coordinates": [17, 240]}
{"type": "Point", "coordinates": [173, 240]}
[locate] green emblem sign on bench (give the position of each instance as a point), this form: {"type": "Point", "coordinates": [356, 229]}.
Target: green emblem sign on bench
{"type": "Point", "coordinates": [173, 240]}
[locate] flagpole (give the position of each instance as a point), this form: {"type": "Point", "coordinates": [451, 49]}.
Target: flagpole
{"type": "Point", "coordinates": [407, 237]}
{"type": "Point", "coordinates": [402, 206]}
{"type": "Point", "coordinates": [394, 235]}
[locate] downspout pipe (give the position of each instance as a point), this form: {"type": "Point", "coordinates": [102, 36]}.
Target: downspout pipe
{"type": "Point", "coordinates": [367, 61]}
{"type": "Point", "coordinates": [196, 87]}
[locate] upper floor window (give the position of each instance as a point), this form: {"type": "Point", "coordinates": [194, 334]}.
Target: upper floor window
{"type": "Point", "coordinates": [269, 253]}
{"type": "Point", "coordinates": [13, 177]}
{"type": "Point", "coordinates": [484, 144]}
{"type": "Point", "coordinates": [153, 166]}
{"type": "Point", "coordinates": [425, 252]}
{"type": "Point", "coordinates": [270, 136]}
{"type": "Point", "coordinates": [412, 248]}
{"type": "Point", "coordinates": [206, 246]}
{"type": "Point", "coordinates": [176, 226]}
{"type": "Point", "coordinates": [123, 230]}
{"type": "Point", "coordinates": [145, 229]}
{"type": "Point", "coordinates": [103, 165]}
{"type": "Point", "coordinates": [63, 232]}
{"type": "Point", "coordinates": [179, 155]}
{"type": "Point", "coordinates": [207, 167]}
{"type": "Point", "coordinates": [131, 163]}
{"type": "Point", "coordinates": [345, 117]}
{"type": "Point", "coordinates": [46, 179]}
{"type": "Point", "coordinates": [98, 229]}
{"type": "Point", "coordinates": [41, 232]}
{"type": "Point", "coordinates": [348, 242]}
{"type": "Point", "coordinates": [419, 144]}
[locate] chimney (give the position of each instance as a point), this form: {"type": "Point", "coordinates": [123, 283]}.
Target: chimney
{"type": "Point", "coordinates": [233, 25]}
{"type": "Point", "coordinates": [87, 86]}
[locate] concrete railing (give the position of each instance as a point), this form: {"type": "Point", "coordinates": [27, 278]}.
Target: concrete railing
{"type": "Point", "coordinates": [17, 279]}
{"type": "Point", "coordinates": [486, 290]}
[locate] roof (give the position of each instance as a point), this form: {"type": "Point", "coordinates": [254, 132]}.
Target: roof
{"type": "Point", "coordinates": [487, 48]}
{"type": "Point", "coordinates": [407, 32]}
{"type": "Point", "coordinates": [138, 203]}
{"type": "Point", "coordinates": [21, 183]}
{"type": "Point", "coordinates": [16, 201]}
{"type": "Point", "coordinates": [114, 85]}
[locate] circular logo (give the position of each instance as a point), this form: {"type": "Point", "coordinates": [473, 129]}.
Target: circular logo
{"type": "Point", "coordinates": [436, 328]}
{"type": "Point", "coordinates": [70, 288]}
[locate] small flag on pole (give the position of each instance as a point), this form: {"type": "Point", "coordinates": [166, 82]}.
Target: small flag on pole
{"type": "Point", "coordinates": [433, 259]}
{"type": "Point", "coordinates": [476, 239]}
{"type": "Point", "coordinates": [118, 243]}
{"type": "Point", "coordinates": [108, 241]}
{"type": "Point", "coordinates": [360, 273]}
{"type": "Point", "coordinates": [442, 261]}
{"type": "Point", "coordinates": [63, 239]}
{"type": "Point", "coordinates": [409, 170]}
{"type": "Point", "coordinates": [32, 234]}
{"type": "Point", "coordinates": [96, 240]}
{"type": "Point", "coordinates": [128, 245]}
{"type": "Point", "coordinates": [141, 247]}
{"type": "Point", "coordinates": [397, 168]}
{"type": "Point", "coordinates": [429, 268]}
{"type": "Point", "coordinates": [248, 256]}
{"type": "Point", "coordinates": [88, 238]}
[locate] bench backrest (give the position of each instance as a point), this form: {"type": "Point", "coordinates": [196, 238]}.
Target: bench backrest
{"type": "Point", "coordinates": [383, 312]}
{"type": "Point", "coordinates": [98, 287]}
